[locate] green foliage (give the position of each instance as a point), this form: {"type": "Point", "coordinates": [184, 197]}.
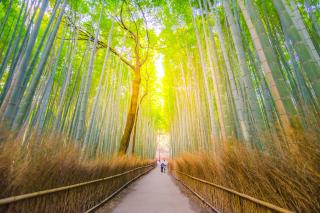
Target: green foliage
{"type": "Point", "coordinates": [176, 93]}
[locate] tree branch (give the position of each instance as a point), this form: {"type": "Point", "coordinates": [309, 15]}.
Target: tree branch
{"type": "Point", "coordinates": [115, 52]}
{"type": "Point", "coordinates": [87, 36]}
{"type": "Point", "coordinates": [147, 32]}
{"type": "Point", "coordinates": [124, 26]}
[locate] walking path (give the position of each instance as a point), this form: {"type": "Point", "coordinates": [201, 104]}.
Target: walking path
{"type": "Point", "coordinates": [154, 193]}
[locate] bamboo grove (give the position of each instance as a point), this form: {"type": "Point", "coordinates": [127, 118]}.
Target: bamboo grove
{"type": "Point", "coordinates": [234, 84]}
{"type": "Point", "coordinates": [248, 70]}
{"type": "Point", "coordinates": [67, 69]}
{"type": "Point", "coordinates": [245, 70]}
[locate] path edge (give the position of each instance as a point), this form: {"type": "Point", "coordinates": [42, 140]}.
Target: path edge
{"type": "Point", "coordinates": [92, 209]}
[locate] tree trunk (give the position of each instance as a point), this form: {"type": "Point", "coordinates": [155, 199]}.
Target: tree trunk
{"type": "Point", "coordinates": [124, 144]}
{"type": "Point", "coordinates": [134, 132]}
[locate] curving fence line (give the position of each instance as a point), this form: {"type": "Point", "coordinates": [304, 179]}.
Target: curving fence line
{"type": "Point", "coordinates": [67, 189]}
{"type": "Point", "coordinates": [225, 199]}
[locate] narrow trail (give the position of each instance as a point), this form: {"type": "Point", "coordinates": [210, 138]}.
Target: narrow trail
{"type": "Point", "coordinates": [154, 193]}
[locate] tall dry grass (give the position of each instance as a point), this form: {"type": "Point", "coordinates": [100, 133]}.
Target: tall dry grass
{"type": "Point", "coordinates": [286, 177]}
{"type": "Point", "coordinates": [50, 163]}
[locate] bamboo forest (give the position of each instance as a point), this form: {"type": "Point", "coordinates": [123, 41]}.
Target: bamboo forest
{"type": "Point", "coordinates": [223, 95]}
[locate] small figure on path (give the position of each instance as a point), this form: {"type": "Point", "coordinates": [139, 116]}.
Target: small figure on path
{"type": "Point", "coordinates": [162, 167]}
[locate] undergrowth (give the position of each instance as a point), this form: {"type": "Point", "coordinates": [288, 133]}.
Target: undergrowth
{"type": "Point", "coordinates": [40, 165]}
{"type": "Point", "coordinates": [285, 175]}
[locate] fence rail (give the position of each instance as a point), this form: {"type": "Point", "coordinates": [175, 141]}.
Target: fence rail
{"type": "Point", "coordinates": [214, 209]}
{"type": "Point", "coordinates": [12, 199]}
{"type": "Point", "coordinates": [264, 204]}
{"type": "Point", "coordinates": [92, 209]}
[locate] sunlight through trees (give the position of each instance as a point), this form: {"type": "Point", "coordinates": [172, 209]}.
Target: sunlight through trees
{"type": "Point", "coordinates": [111, 77]}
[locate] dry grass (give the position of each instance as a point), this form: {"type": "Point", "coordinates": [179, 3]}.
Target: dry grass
{"type": "Point", "coordinates": [39, 166]}
{"type": "Point", "coordinates": [289, 178]}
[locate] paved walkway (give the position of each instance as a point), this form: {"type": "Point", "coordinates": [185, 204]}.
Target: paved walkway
{"type": "Point", "coordinates": [154, 193]}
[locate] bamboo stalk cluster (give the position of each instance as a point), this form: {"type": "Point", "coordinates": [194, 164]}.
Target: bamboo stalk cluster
{"type": "Point", "coordinates": [248, 70]}
{"type": "Point", "coordinates": [245, 111]}
{"type": "Point", "coordinates": [60, 73]}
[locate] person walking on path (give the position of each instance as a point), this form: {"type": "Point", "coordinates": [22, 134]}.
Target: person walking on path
{"type": "Point", "coordinates": [162, 165]}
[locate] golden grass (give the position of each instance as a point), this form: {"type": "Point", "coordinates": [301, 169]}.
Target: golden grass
{"type": "Point", "coordinates": [289, 178]}
{"type": "Point", "coordinates": [39, 166]}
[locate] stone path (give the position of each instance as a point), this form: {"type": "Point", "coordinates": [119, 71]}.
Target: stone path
{"type": "Point", "coordinates": [154, 193]}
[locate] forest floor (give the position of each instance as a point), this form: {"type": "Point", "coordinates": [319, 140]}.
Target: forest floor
{"type": "Point", "coordinates": [154, 193]}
